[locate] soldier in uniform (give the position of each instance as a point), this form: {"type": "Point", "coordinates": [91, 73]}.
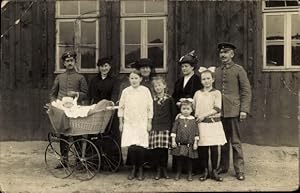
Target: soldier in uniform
{"type": "Point", "coordinates": [231, 80]}
{"type": "Point", "coordinates": [69, 83]}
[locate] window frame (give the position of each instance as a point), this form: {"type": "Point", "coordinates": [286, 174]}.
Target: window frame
{"type": "Point", "coordinates": [77, 19]}
{"type": "Point", "coordinates": [143, 18]}
{"type": "Point", "coordinates": [286, 13]}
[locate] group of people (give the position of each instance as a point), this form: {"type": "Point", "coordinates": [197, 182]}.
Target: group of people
{"type": "Point", "coordinates": [202, 113]}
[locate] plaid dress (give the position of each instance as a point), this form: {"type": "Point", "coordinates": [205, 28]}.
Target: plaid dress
{"type": "Point", "coordinates": [164, 110]}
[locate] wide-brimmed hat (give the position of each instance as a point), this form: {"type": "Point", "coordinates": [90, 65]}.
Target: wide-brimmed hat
{"type": "Point", "coordinates": [103, 60]}
{"type": "Point", "coordinates": [190, 58]}
{"type": "Point", "coordinates": [142, 62]}
{"type": "Point", "coordinates": [68, 54]}
{"type": "Point", "coordinates": [224, 45]}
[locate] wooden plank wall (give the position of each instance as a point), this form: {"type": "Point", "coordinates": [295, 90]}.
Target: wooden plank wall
{"type": "Point", "coordinates": [27, 63]}
{"type": "Point", "coordinates": [201, 25]}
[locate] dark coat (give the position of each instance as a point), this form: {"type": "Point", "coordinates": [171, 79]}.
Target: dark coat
{"type": "Point", "coordinates": [234, 85]}
{"type": "Point", "coordinates": [100, 89]}
{"type": "Point", "coordinates": [189, 90]}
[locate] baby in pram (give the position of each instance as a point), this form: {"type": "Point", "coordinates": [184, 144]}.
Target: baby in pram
{"type": "Point", "coordinates": [71, 109]}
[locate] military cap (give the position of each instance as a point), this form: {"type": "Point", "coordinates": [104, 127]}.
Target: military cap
{"type": "Point", "coordinates": [142, 62]}
{"type": "Point", "coordinates": [104, 60]}
{"type": "Point", "coordinates": [189, 58]}
{"type": "Point", "coordinates": [224, 45]}
{"type": "Point", "coordinates": [68, 53]}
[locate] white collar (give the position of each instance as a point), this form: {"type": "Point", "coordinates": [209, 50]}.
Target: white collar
{"type": "Point", "coordinates": [189, 117]}
{"type": "Point", "coordinates": [189, 76]}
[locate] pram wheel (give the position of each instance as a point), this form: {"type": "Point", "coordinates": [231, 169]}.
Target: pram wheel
{"type": "Point", "coordinates": [55, 160]}
{"type": "Point", "coordinates": [110, 153]}
{"type": "Point", "coordinates": [84, 158]}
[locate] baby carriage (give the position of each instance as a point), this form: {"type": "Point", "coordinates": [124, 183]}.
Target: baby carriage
{"type": "Point", "coordinates": [89, 144]}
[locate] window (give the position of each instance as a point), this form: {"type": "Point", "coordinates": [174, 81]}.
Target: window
{"type": "Point", "coordinates": [144, 33]}
{"type": "Point", "coordinates": [77, 27]}
{"type": "Point", "coordinates": [281, 42]}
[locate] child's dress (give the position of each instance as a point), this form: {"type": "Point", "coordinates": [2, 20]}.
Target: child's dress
{"type": "Point", "coordinates": [211, 128]}
{"type": "Point", "coordinates": [136, 106]}
{"type": "Point", "coordinates": [185, 131]}
{"type": "Point", "coordinates": [164, 111]}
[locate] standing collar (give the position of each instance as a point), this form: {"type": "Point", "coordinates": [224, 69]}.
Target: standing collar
{"type": "Point", "coordinates": [71, 71]}
{"type": "Point", "coordinates": [228, 66]}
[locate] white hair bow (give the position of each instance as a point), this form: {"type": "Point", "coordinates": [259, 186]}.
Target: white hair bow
{"type": "Point", "coordinates": [202, 69]}
{"type": "Point", "coordinates": [181, 100]}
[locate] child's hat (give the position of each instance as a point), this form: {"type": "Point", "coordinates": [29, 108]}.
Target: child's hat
{"type": "Point", "coordinates": [67, 100]}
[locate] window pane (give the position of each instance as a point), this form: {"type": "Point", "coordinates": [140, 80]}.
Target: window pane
{"type": "Point", "coordinates": [66, 33]}
{"type": "Point", "coordinates": [88, 57]}
{"type": "Point", "coordinates": [132, 54]}
{"type": "Point", "coordinates": [61, 50]}
{"type": "Point", "coordinates": [295, 27]}
{"type": "Point", "coordinates": [156, 54]}
{"type": "Point", "coordinates": [68, 7]}
{"type": "Point", "coordinates": [275, 27]}
{"type": "Point", "coordinates": [296, 54]}
{"type": "Point", "coordinates": [275, 55]}
{"type": "Point", "coordinates": [136, 6]}
{"type": "Point", "coordinates": [88, 32]}
{"type": "Point", "coordinates": [157, 35]}
{"type": "Point", "coordinates": [132, 31]}
{"type": "Point", "coordinates": [292, 3]}
{"type": "Point", "coordinates": [155, 6]}
{"type": "Point", "coordinates": [88, 7]}
{"type": "Point", "coordinates": [276, 3]}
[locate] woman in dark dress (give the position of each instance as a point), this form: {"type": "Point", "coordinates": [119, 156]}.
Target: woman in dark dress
{"type": "Point", "coordinates": [104, 85]}
{"type": "Point", "coordinates": [186, 86]}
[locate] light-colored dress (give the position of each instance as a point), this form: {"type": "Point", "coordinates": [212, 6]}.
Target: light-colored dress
{"type": "Point", "coordinates": [136, 106]}
{"type": "Point", "coordinates": [211, 133]}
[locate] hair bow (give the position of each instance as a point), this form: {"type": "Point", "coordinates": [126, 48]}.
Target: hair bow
{"type": "Point", "coordinates": [202, 69]}
{"type": "Point", "coordinates": [183, 100]}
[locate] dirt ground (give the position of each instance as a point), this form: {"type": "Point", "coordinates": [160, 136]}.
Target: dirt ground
{"type": "Point", "coordinates": [22, 169]}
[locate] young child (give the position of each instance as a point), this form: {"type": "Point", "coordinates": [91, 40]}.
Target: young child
{"type": "Point", "coordinates": [164, 110]}
{"type": "Point", "coordinates": [207, 103]}
{"type": "Point", "coordinates": [185, 136]}
{"type": "Point", "coordinates": [135, 115]}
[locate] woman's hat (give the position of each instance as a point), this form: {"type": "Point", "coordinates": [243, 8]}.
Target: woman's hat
{"type": "Point", "coordinates": [142, 63]}
{"type": "Point", "coordinates": [224, 45]}
{"type": "Point", "coordinates": [68, 54]}
{"type": "Point", "coordinates": [189, 58]}
{"type": "Point", "coordinates": [104, 60]}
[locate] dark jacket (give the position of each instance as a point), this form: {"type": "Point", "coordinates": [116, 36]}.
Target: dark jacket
{"type": "Point", "coordinates": [100, 89]}
{"type": "Point", "coordinates": [189, 90]}
{"type": "Point", "coordinates": [234, 85]}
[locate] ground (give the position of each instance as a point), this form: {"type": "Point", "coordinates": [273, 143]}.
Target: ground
{"type": "Point", "coordinates": [22, 169]}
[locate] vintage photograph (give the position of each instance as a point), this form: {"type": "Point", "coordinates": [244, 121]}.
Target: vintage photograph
{"type": "Point", "coordinates": [149, 96]}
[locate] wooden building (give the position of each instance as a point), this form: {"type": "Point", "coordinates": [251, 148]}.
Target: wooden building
{"type": "Point", "coordinates": [35, 33]}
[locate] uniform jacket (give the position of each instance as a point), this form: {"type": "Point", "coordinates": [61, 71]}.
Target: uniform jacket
{"type": "Point", "coordinates": [189, 90]}
{"type": "Point", "coordinates": [234, 85]}
{"type": "Point", "coordinates": [69, 81]}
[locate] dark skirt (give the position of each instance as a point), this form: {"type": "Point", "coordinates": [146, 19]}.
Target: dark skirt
{"type": "Point", "coordinates": [185, 150]}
